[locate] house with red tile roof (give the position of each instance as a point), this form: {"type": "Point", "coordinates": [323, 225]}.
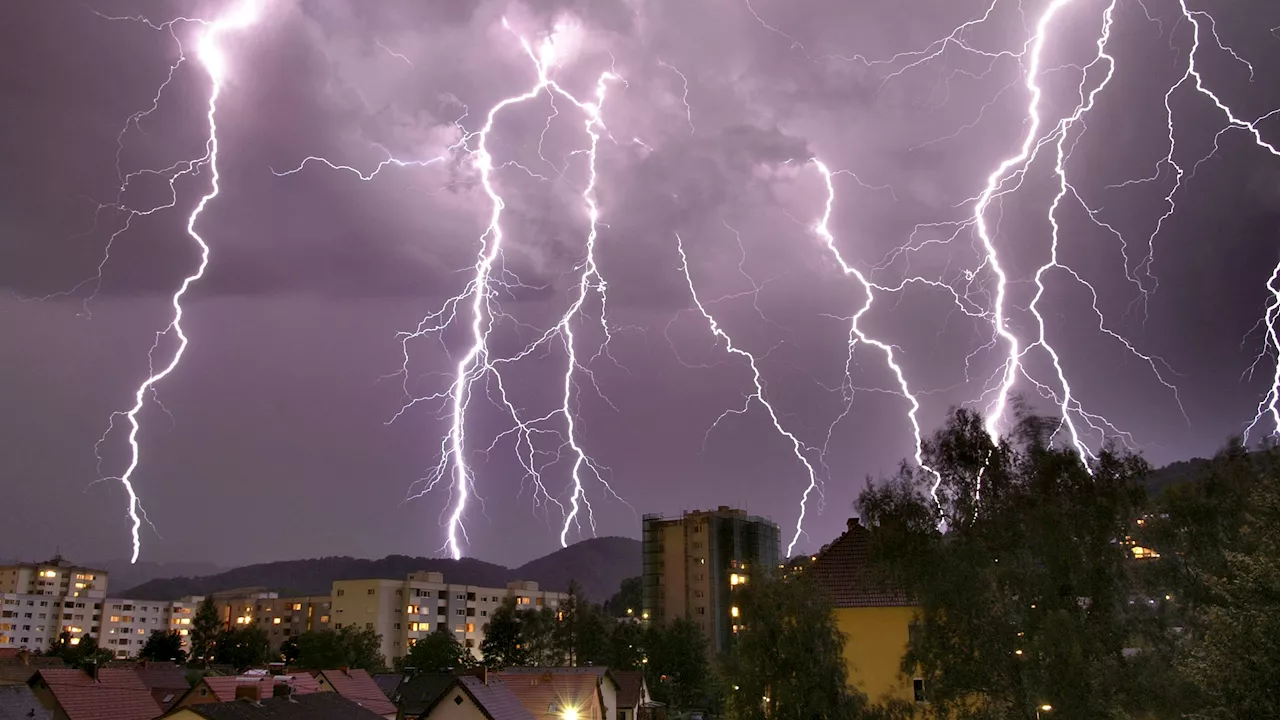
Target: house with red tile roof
{"type": "Point", "coordinates": [316, 706]}
{"type": "Point", "coordinates": [551, 695]}
{"type": "Point", "coordinates": [483, 696]}
{"type": "Point", "coordinates": [225, 688]}
{"type": "Point", "coordinates": [166, 681]}
{"type": "Point", "coordinates": [105, 694]}
{"type": "Point", "coordinates": [359, 686]}
{"type": "Point", "coordinates": [875, 616]}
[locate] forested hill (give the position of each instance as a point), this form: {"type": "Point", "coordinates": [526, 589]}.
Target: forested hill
{"type": "Point", "coordinates": [599, 565]}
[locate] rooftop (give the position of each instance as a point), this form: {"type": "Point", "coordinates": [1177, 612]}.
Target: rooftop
{"type": "Point", "coordinates": [17, 702]}
{"type": "Point", "coordinates": [116, 694]}
{"type": "Point", "coordinates": [317, 706]}
{"type": "Point", "coordinates": [844, 570]}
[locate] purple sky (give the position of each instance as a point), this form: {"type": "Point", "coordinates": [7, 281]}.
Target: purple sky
{"type": "Point", "coordinates": [276, 443]}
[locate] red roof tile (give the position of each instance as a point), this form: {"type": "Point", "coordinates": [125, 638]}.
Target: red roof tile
{"type": "Point", "coordinates": [358, 685]}
{"type": "Point", "coordinates": [224, 687]}
{"type": "Point", "coordinates": [494, 698]}
{"type": "Point", "coordinates": [545, 694]}
{"type": "Point", "coordinates": [117, 694]}
{"type": "Point", "coordinates": [845, 571]}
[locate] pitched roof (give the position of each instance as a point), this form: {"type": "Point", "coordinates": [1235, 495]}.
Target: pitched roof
{"type": "Point", "coordinates": [494, 698]}
{"type": "Point", "coordinates": [117, 694]}
{"type": "Point", "coordinates": [224, 687]}
{"type": "Point", "coordinates": [845, 571]}
{"type": "Point", "coordinates": [17, 702]}
{"type": "Point", "coordinates": [545, 694]}
{"type": "Point", "coordinates": [316, 706]}
{"type": "Point", "coordinates": [357, 685]}
{"type": "Point", "coordinates": [162, 676]}
{"type": "Point", "coordinates": [630, 687]}
{"type": "Point", "coordinates": [596, 670]}
{"type": "Point", "coordinates": [419, 693]}
{"type": "Point", "coordinates": [390, 683]}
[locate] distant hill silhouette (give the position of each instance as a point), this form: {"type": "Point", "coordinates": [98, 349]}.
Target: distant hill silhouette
{"type": "Point", "coordinates": [1174, 474]}
{"type": "Point", "coordinates": [599, 565]}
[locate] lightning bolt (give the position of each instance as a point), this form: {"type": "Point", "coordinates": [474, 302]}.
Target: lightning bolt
{"type": "Point", "coordinates": [479, 304]}
{"type": "Point", "coordinates": [798, 448]}
{"type": "Point", "coordinates": [241, 15]}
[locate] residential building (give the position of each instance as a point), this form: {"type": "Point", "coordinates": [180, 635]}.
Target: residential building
{"type": "Point", "coordinates": [116, 693]}
{"type": "Point", "coordinates": [316, 706]}
{"type": "Point", "coordinates": [127, 624]}
{"type": "Point", "coordinates": [633, 693]}
{"type": "Point", "coordinates": [226, 688]}
{"type": "Point", "coordinates": [876, 618]}
{"type": "Point", "coordinates": [694, 563]}
{"type": "Point", "coordinates": [18, 702]}
{"type": "Point", "coordinates": [404, 611]}
{"type": "Point", "coordinates": [477, 697]}
{"type": "Point", "coordinates": [283, 618]}
{"type": "Point", "coordinates": [607, 685]}
{"type": "Point", "coordinates": [39, 601]}
{"type": "Point", "coordinates": [420, 693]}
{"type": "Point", "coordinates": [357, 686]}
{"type": "Point", "coordinates": [166, 681]}
{"type": "Point", "coordinates": [550, 695]}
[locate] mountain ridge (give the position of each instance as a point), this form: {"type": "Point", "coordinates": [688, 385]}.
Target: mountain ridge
{"type": "Point", "coordinates": [598, 565]}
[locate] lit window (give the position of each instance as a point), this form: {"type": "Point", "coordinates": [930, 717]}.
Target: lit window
{"type": "Point", "coordinates": [297, 606]}
{"type": "Point", "coordinates": [733, 611]}
{"type": "Point", "coordinates": [275, 621]}
{"type": "Point", "coordinates": [471, 627]}
{"type": "Point", "coordinates": [412, 610]}
{"type": "Point", "coordinates": [324, 618]}
{"type": "Point", "coordinates": [115, 618]}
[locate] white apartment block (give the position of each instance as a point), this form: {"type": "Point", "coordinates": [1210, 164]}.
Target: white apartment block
{"type": "Point", "coordinates": [127, 624]}
{"type": "Point", "coordinates": [39, 601]}
{"type": "Point", "coordinates": [403, 611]}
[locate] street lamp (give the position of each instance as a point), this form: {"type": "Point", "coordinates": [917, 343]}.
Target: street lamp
{"type": "Point", "coordinates": [1043, 708]}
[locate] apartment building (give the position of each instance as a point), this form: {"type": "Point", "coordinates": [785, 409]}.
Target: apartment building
{"type": "Point", "coordinates": [694, 564]}
{"type": "Point", "coordinates": [283, 618]}
{"type": "Point", "coordinates": [127, 624]}
{"type": "Point", "coordinates": [403, 611]}
{"type": "Point", "coordinates": [39, 601]}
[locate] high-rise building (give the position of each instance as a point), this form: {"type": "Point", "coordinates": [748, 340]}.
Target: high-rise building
{"type": "Point", "coordinates": [39, 601]}
{"type": "Point", "coordinates": [126, 624]}
{"type": "Point", "coordinates": [403, 611]}
{"type": "Point", "coordinates": [694, 564]}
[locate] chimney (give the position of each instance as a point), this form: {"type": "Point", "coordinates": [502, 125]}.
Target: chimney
{"type": "Point", "coordinates": [281, 689]}
{"type": "Point", "coordinates": [92, 669]}
{"type": "Point", "coordinates": [854, 522]}
{"type": "Point", "coordinates": [247, 691]}
{"type": "Point", "coordinates": [24, 656]}
{"type": "Point", "coordinates": [480, 672]}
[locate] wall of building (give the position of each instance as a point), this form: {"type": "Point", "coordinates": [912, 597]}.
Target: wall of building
{"type": "Point", "coordinates": [38, 601]}
{"type": "Point", "coordinates": [376, 605]}
{"type": "Point", "coordinates": [875, 640]}
{"type": "Point", "coordinates": [449, 709]}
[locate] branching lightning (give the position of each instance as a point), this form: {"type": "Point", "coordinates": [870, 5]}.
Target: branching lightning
{"type": "Point", "coordinates": [480, 303]}
{"type": "Point", "coordinates": [243, 14]}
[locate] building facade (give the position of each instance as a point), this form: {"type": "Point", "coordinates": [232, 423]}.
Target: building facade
{"type": "Point", "coordinates": [695, 563]}
{"type": "Point", "coordinates": [126, 624]}
{"type": "Point", "coordinates": [404, 611]}
{"type": "Point", "coordinates": [39, 601]}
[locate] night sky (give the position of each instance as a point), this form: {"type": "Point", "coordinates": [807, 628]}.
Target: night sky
{"type": "Point", "coordinates": [270, 440]}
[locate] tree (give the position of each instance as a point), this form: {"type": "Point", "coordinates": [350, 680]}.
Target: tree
{"type": "Point", "coordinates": [787, 661]}
{"type": "Point", "coordinates": [582, 631]}
{"type": "Point", "coordinates": [539, 639]}
{"type": "Point", "coordinates": [163, 645]}
{"type": "Point", "coordinates": [363, 648]}
{"type": "Point", "coordinates": [626, 646]}
{"type": "Point", "coordinates": [1024, 600]}
{"type": "Point", "coordinates": [79, 652]}
{"type": "Point", "coordinates": [502, 647]}
{"type": "Point", "coordinates": [1219, 576]}
{"type": "Point", "coordinates": [347, 647]}
{"type": "Point", "coordinates": [438, 652]}
{"type": "Point", "coordinates": [628, 599]}
{"type": "Point", "coordinates": [289, 651]}
{"type": "Point", "coordinates": [242, 647]}
{"type": "Point", "coordinates": [677, 672]}
{"type": "Point", "coordinates": [205, 627]}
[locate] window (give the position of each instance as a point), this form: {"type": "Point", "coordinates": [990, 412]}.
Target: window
{"type": "Point", "coordinates": [370, 591]}
{"type": "Point", "coordinates": [337, 626]}
{"type": "Point", "coordinates": [324, 618]}
{"type": "Point", "coordinates": [917, 687]}
{"type": "Point", "coordinates": [701, 610]}
{"type": "Point", "coordinates": [443, 595]}
{"type": "Point", "coordinates": [484, 613]}
{"type": "Point", "coordinates": [471, 627]}
{"type": "Point", "coordinates": [541, 601]}
{"type": "Point", "coordinates": [471, 642]}
{"type": "Point", "coordinates": [275, 621]}
{"type": "Point", "coordinates": [458, 629]}
{"type": "Point", "coordinates": [368, 626]}
{"type": "Point", "coordinates": [341, 593]}
{"type": "Point", "coordinates": [459, 611]}
{"type": "Point", "coordinates": [471, 597]}
{"type": "Point", "coordinates": [412, 610]}
{"type": "Point", "coordinates": [460, 596]}
{"type": "Point", "coordinates": [471, 612]}
{"type": "Point", "coordinates": [297, 606]}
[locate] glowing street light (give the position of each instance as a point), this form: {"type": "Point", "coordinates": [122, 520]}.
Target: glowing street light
{"type": "Point", "coordinates": [1043, 708]}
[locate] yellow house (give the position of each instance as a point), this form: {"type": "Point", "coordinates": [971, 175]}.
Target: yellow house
{"type": "Point", "coordinates": [875, 619]}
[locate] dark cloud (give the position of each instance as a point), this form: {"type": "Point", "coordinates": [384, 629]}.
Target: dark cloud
{"type": "Point", "coordinates": [279, 406]}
